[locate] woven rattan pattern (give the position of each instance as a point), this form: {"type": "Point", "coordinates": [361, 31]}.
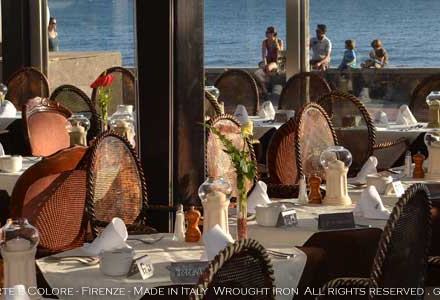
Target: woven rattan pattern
{"type": "Point", "coordinates": [238, 87]}
{"type": "Point", "coordinates": [294, 93]}
{"type": "Point", "coordinates": [25, 84]}
{"type": "Point", "coordinates": [115, 182]}
{"type": "Point", "coordinates": [418, 104]}
{"type": "Point", "coordinates": [123, 89]}
{"type": "Point", "coordinates": [78, 102]}
{"type": "Point", "coordinates": [217, 161]}
{"type": "Point", "coordinates": [59, 212]}
{"type": "Point", "coordinates": [344, 110]}
{"type": "Point", "coordinates": [243, 264]}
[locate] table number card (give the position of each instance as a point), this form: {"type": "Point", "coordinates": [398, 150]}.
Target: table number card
{"type": "Point", "coordinates": [336, 221]}
{"type": "Point", "coordinates": [187, 272]}
{"type": "Point", "coordinates": [395, 187]}
{"type": "Point", "coordinates": [287, 218]}
{"type": "Point", "coordinates": [142, 265]}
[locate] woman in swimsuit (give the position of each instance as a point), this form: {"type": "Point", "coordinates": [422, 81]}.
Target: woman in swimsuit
{"type": "Point", "coordinates": [270, 49]}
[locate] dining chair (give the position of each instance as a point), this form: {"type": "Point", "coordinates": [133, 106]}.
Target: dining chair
{"type": "Point", "coordinates": [51, 194]}
{"type": "Point", "coordinates": [243, 264]}
{"type": "Point", "coordinates": [116, 184]}
{"type": "Point", "coordinates": [212, 106]}
{"type": "Point", "coordinates": [25, 84]}
{"type": "Point", "coordinates": [238, 86]}
{"type": "Point", "coordinates": [217, 162]}
{"type": "Point", "coordinates": [418, 104]}
{"type": "Point", "coordinates": [402, 256]}
{"type": "Point", "coordinates": [302, 88]}
{"type": "Point", "coordinates": [78, 102]}
{"type": "Point", "coordinates": [45, 125]}
{"type": "Point", "coordinates": [123, 88]}
{"type": "Point", "coordinates": [296, 146]}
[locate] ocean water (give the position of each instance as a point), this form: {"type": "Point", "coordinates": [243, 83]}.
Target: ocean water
{"type": "Point", "coordinates": [234, 29]}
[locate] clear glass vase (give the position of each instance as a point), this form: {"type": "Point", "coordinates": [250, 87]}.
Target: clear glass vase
{"type": "Point", "coordinates": [19, 235]}
{"type": "Point", "coordinates": [122, 122]}
{"type": "Point", "coordinates": [241, 208]}
{"type": "Point", "coordinates": [77, 127]}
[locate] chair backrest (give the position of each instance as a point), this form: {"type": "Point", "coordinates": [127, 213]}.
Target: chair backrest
{"type": "Point", "coordinates": [123, 89]}
{"type": "Point", "coordinates": [418, 104]}
{"type": "Point", "coordinates": [243, 264]}
{"type": "Point", "coordinates": [238, 87]}
{"type": "Point", "coordinates": [52, 195]}
{"type": "Point", "coordinates": [314, 133]}
{"type": "Point", "coordinates": [353, 125]}
{"type": "Point", "coordinates": [45, 125]}
{"type": "Point", "coordinates": [302, 88]}
{"type": "Point", "coordinates": [25, 84]}
{"type": "Point", "coordinates": [78, 102]}
{"type": "Point", "coordinates": [115, 182]}
{"type": "Point", "coordinates": [297, 145]}
{"type": "Point", "coordinates": [218, 163]}
{"type": "Point", "coordinates": [401, 259]}
{"type": "Point", "coordinates": [212, 106]}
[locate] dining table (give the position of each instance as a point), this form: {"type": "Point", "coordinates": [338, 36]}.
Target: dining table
{"type": "Point", "coordinates": [8, 179]}
{"type": "Point", "coordinates": [5, 121]}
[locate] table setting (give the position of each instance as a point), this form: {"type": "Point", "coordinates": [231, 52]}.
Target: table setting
{"type": "Point", "coordinates": [11, 168]}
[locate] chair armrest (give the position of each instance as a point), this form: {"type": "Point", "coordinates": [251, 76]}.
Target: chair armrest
{"type": "Point", "coordinates": [389, 144]}
{"type": "Point", "coordinates": [345, 282]}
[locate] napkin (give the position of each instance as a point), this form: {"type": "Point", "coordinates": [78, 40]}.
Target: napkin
{"type": "Point", "coordinates": [112, 237]}
{"type": "Point", "coordinates": [7, 109]}
{"type": "Point", "coordinates": [405, 116]}
{"type": "Point", "coordinates": [258, 196]}
{"type": "Point", "coordinates": [241, 114]}
{"type": "Point", "coordinates": [368, 168]}
{"type": "Point", "coordinates": [370, 205]}
{"type": "Point", "coordinates": [215, 240]}
{"type": "Point", "coordinates": [380, 118]}
{"type": "Point", "coordinates": [267, 111]}
{"type": "Point", "coordinates": [17, 292]}
{"type": "Point", "coordinates": [364, 95]}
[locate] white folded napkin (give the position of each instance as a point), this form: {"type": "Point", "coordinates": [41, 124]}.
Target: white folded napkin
{"type": "Point", "coordinates": [112, 237]}
{"type": "Point", "coordinates": [241, 114]}
{"type": "Point", "coordinates": [17, 292]}
{"type": "Point", "coordinates": [368, 168]}
{"type": "Point", "coordinates": [215, 240]}
{"type": "Point", "coordinates": [267, 111]}
{"type": "Point", "coordinates": [7, 109]}
{"type": "Point", "coordinates": [370, 205]}
{"type": "Point", "coordinates": [258, 196]}
{"type": "Point", "coordinates": [405, 116]}
{"type": "Point", "coordinates": [380, 118]}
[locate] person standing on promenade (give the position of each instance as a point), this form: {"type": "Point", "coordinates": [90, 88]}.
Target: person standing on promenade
{"type": "Point", "coordinates": [53, 35]}
{"type": "Point", "coordinates": [321, 47]}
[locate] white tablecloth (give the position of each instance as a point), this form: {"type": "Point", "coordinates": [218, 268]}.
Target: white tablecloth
{"type": "Point", "coordinates": [6, 121]}
{"type": "Point", "coordinates": [76, 276]}
{"type": "Point", "coordinates": [8, 180]}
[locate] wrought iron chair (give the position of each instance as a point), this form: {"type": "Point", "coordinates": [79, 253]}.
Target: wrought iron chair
{"type": "Point", "coordinates": [25, 84]}
{"type": "Point", "coordinates": [52, 196]}
{"type": "Point", "coordinates": [297, 145]}
{"type": "Point", "coordinates": [115, 184]}
{"type": "Point", "coordinates": [78, 102]}
{"type": "Point", "coordinates": [45, 125]}
{"type": "Point", "coordinates": [302, 88]}
{"type": "Point", "coordinates": [243, 264]}
{"type": "Point", "coordinates": [402, 256]}
{"type": "Point", "coordinates": [238, 87]}
{"type": "Point", "coordinates": [217, 161]}
{"type": "Point", "coordinates": [123, 89]}
{"type": "Point", "coordinates": [418, 104]}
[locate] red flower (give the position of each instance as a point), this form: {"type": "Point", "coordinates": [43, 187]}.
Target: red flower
{"type": "Point", "coordinates": [104, 81]}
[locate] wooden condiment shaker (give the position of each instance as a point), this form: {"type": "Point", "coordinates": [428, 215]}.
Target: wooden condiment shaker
{"type": "Point", "coordinates": [418, 168]}
{"type": "Point", "coordinates": [193, 233]}
{"type": "Point", "coordinates": [315, 196]}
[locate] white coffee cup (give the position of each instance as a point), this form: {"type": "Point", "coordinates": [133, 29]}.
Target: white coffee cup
{"type": "Point", "coordinates": [267, 215]}
{"type": "Point", "coordinates": [116, 262]}
{"type": "Point", "coordinates": [11, 163]}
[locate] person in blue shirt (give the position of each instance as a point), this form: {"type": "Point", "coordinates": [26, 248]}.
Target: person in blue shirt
{"type": "Point", "coordinates": [349, 59]}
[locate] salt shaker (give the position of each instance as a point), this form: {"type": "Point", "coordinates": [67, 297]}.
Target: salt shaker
{"type": "Point", "coordinates": [408, 164]}
{"type": "Point", "coordinates": [179, 225]}
{"type": "Point", "coordinates": [302, 197]}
